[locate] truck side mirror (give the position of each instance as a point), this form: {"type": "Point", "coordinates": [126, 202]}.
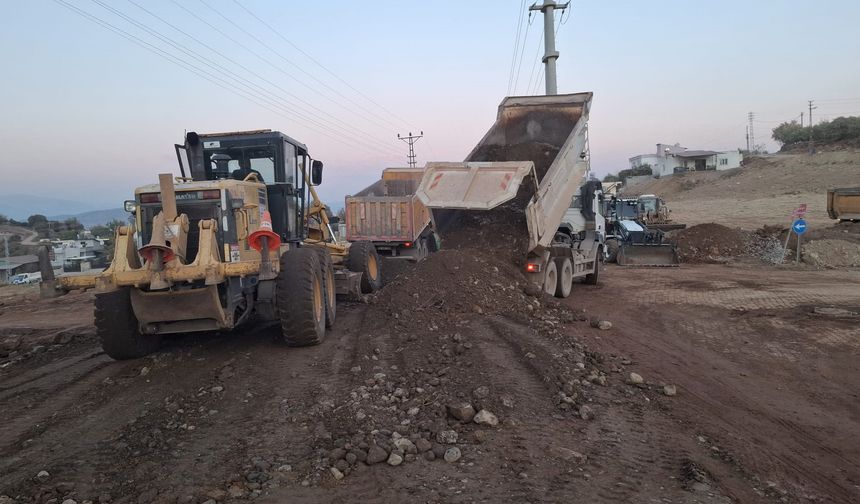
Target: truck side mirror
{"type": "Point", "coordinates": [316, 172]}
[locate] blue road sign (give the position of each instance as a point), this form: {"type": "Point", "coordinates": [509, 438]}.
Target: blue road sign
{"type": "Point", "coordinates": [799, 226]}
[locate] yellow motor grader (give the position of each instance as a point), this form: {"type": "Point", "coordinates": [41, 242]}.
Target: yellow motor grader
{"type": "Point", "coordinates": [242, 236]}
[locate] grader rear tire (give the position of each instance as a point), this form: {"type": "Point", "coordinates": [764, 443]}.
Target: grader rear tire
{"type": "Point", "coordinates": [327, 272]}
{"type": "Point", "coordinates": [362, 258]}
{"type": "Point", "coordinates": [301, 298]}
{"type": "Point", "coordinates": [117, 327]}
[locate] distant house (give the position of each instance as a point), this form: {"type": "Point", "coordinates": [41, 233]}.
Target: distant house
{"type": "Point", "coordinates": [671, 159]}
{"type": "Point", "coordinates": [77, 255]}
{"type": "Point", "coordinates": [15, 265]}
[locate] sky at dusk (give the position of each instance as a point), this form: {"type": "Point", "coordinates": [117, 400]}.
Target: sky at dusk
{"type": "Point", "coordinates": [88, 115]}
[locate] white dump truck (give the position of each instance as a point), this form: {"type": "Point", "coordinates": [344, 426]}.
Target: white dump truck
{"type": "Point", "coordinates": [533, 159]}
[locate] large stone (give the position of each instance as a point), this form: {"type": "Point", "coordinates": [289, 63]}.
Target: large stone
{"type": "Point", "coordinates": [452, 454]}
{"type": "Point", "coordinates": [423, 445]}
{"type": "Point", "coordinates": [635, 379]}
{"type": "Point", "coordinates": [338, 475]}
{"type": "Point", "coordinates": [485, 417]}
{"type": "Point", "coordinates": [376, 454]}
{"type": "Point", "coordinates": [670, 390]}
{"type": "Point", "coordinates": [394, 459]}
{"type": "Point", "coordinates": [406, 445]}
{"type": "Point", "coordinates": [447, 437]}
{"type": "Point", "coordinates": [462, 411]}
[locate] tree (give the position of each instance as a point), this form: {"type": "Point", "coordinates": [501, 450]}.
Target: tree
{"type": "Point", "coordinates": [36, 219]}
{"type": "Point", "coordinates": [611, 178]}
{"type": "Point", "coordinates": [4, 219]}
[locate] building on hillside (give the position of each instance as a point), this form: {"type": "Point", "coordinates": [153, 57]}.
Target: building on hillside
{"type": "Point", "coordinates": [15, 265]}
{"type": "Point", "coordinates": [671, 159]}
{"type": "Point", "coordinates": [78, 255]}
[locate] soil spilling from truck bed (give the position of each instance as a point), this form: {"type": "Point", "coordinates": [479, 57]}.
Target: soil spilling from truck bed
{"type": "Point", "coordinates": [709, 243]}
{"type": "Point", "coordinates": [503, 230]}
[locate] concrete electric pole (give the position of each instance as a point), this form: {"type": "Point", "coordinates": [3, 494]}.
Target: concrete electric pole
{"type": "Point", "coordinates": [811, 108]}
{"type": "Point", "coordinates": [548, 7]}
{"type": "Point", "coordinates": [411, 139]}
{"type": "Point", "coordinates": [751, 141]}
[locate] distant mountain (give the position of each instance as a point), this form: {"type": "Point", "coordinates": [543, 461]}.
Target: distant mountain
{"type": "Point", "coordinates": [21, 206]}
{"type": "Point", "coordinates": [95, 217]}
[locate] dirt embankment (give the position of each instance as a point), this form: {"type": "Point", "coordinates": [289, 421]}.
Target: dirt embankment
{"type": "Point", "coordinates": [763, 192]}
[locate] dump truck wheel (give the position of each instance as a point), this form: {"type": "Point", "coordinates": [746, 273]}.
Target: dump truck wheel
{"type": "Point", "coordinates": [565, 277]}
{"type": "Point", "coordinates": [301, 298]}
{"type": "Point", "coordinates": [612, 251]}
{"type": "Point", "coordinates": [327, 271]}
{"type": "Point", "coordinates": [592, 277]}
{"type": "Point", "coordinates": [432, 244]}
{"type": "Point", "coordinates": [118, 330]}
{"type": "Point", "coordinates": [550, 278]}
{"type": "Point", "coordinates": [362, 258]}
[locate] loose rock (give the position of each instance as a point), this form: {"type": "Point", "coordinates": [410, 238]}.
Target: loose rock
{"type": "Point", "coordinates": [376, 455]}
{"type": "Point", "coordinates": [463, 412]}
{"type": "Point", "coordinates": [635, 379]}
{"type": "Point", "coordinates": [336, 473]}
{"type": "Point", "coordinates": [452, 454]}
{"type": "Point", "coordinates": [447, 436]}
{"type": "Point", "coordinates": [394, 459]}
{"type": "Point", "coordinates": [670, 390]}
{"type": "Point", "coordinates": [485, 417]}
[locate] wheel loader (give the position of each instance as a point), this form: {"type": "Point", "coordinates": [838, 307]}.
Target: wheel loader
{"type": "Point", "coordinates": [240, 238]}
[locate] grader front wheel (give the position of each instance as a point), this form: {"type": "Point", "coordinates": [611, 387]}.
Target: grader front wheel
{"type": "Point", "coordinates": [301, 298]}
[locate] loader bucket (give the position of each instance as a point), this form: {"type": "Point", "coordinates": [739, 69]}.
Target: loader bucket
{"type": "Point", "coordinates": [631, 254]}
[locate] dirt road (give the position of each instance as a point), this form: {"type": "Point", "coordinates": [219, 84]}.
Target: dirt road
{"type": "Point", "coordinates": [766, 408]}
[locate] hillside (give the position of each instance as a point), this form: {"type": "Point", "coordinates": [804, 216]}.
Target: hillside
{"type": "Point", "coordinates": [763, 192]}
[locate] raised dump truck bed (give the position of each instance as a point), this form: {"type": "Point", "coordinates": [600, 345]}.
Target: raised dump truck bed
{"type": "Point", "coordinates": [533, 164]}
{"type": "Point", "coordinates": [844, 203]}
{"type": "Point", "coordinates": [389, 214]}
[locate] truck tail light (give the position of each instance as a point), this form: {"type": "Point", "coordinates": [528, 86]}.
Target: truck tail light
{"type": "Point", "coordinates": [532, 268]}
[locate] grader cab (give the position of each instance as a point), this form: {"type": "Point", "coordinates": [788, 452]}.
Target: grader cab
{"type": "Point", "coordinates": [240, 236]}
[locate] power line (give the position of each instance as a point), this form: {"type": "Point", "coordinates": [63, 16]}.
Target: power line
{"type": "Point", "coordinates": [344, 82]}
{"type": "Point", "coordinates": [520, 64]}
{"type": "Point", "coordinates": [194, 68]}
{"type": "Point", "coordinates": [516, 45]}
{"type": "Point", "coordinates": [194, 54]}
{"type": "Point", "coordinates": [268, 62]}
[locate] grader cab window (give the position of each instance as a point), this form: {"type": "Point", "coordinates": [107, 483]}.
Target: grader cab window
{"type": "Point", "coordinates": [238, 162]}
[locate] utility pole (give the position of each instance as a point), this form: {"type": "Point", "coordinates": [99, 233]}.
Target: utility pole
{"type": "Point", "coordinates": [748, 137]}
{"type": "Point", "coordinates": [811, 147]}
{"type": "Point", "coordinates": [801, 119]}
{"type": "Point", "coordinates": [411, 139]}
{"type": "Point", "coordinates": [548, 7]}
{"type": "Point", "coordinates": [6, 246]}
{"type": "Point", "coordinates": [751, 140]}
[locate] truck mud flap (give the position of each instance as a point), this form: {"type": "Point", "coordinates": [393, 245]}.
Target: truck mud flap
{"type": "Point", "coordinates": [648, 255]}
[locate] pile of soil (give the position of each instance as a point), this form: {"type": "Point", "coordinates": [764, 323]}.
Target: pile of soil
{"type": "Point", "coordinates": [709, 243]}
{"type": "Point", "coordinates": [829, 253]}
{"type": "Point", "coordinates": [422, 389]}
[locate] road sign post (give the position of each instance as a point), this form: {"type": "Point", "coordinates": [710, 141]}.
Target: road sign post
{"type": "Point", "coordinates": [799, 227]}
